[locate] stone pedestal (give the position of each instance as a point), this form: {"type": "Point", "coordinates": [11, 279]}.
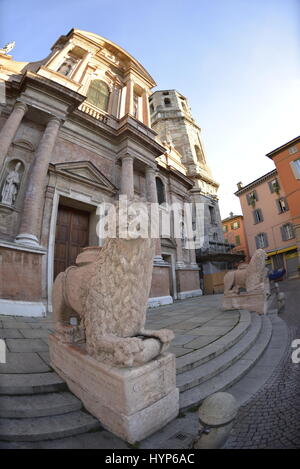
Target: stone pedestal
{"type": "Point", "coordinates": [250, 301]}
{"type": "Point", "coordinates": [132, 403]}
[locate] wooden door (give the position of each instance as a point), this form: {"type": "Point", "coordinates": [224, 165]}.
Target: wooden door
{"type": "Point", "coordinates": [72, 234]}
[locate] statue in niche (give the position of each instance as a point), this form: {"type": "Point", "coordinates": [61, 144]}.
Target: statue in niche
{"type": "Point", "coordinates": [11, 185]}
{"type": "Point", "coordinates": [67, 66]}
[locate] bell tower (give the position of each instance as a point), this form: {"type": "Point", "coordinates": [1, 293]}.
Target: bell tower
{"type": "Point", "coordinates": [172, 119]}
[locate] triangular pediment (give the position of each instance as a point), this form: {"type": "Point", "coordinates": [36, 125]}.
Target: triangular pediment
{"type": "Point", "coordinates": [87, 173]}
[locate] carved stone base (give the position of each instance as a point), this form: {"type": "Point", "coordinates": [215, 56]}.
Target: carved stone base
{"type": "Point", "coordinates": [133, 403]}
{"type": "Point", "coordinates": [250, 301]}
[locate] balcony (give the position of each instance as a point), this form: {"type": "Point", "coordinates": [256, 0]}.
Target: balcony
{"type": "Point", "coordinates": [218, 252]}
{"type": "Point", "coordinates": [94, 112]}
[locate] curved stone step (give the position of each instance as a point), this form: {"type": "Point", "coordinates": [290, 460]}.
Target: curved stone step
{"type": "Point", "coordinates": [47, 428]}
{"type": "Point", "coordinates": [230, 375]}
{"type": "Point", "coordinates": [191, 378]}
{"type": "Point", "coordinates": [35, 383]}
{"type": "Point", "coordinates": [38, 405]}
{"type": "Point", "coordinates": [204, 354]}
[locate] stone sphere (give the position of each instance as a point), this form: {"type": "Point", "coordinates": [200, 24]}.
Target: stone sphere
{"type": "Point", "coordinates": [218, 409]}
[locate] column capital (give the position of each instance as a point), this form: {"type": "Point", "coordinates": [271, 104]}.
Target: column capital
{"type": "Point", "coordinates": [127, 156]}
{"type": "Point", "coordinates": [150, 170]}
{"type": "Point", "coordinates": [54, 119]}
{"type": "Point", "coordinates": [21, 105]}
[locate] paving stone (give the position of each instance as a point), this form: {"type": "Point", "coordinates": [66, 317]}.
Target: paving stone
{"type": "Point", "coordinates": [35, 333]}
{"type": "Point", "coordinates": [23, 363]}
{"type": "Point", "coordinates": [31, 383]}
{"type": "Point", "coordinates": [45, 356]}
{"type": "Point", "coordinates": [10, 324]}
{"type": "Point", "coordinates": [182, 339]}
{"type": "Point", "coordinates": [41, 326]}
{"type": "Point", "coordinates": [44, 428]}
{"type": "Point", "coordinates": [10, 334]}
{"type": "Point", "coordinates": [207, 330]}
{"type": "Point", "coordinates": [179, 351]}
{"type": "Point", "coordinates": [200, 341]}
{"type": "Point", "coordinates": [26, 345]}
{"type": "Point", "coordinates": [38, 405]}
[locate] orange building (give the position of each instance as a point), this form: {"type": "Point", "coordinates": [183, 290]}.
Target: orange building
{"type": "Point", "coordinates": [234, 233]}
{"type": "Point", "coordinates": [287, 162]}
{"type": "Point", "coordinates": [268, 221]}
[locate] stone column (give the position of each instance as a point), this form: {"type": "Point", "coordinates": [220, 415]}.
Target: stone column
{"type": "Point", "coordinates": [116, 96]}
{"type": "Point", "coordinates": [151, 185]}
{"type": "Point", "coordinates": [152, 197]}
{"type": "Point", "coordinates": [30, 226]}
{"type": "Point", "coordinates": [179, 254]}
{"type": "Point", "coordinates": [146, 118]}
{"type": "Point", "coordinates": [193, 258]}
{"type": "Point", "coordinates": [10, 128]}
{"type": "Point", "coordinates": [129, 98]}
{"type": "Point", "coordinates": [127, 184]}
{"type": "Point", "coordinates": [81, 67]}
{"type": "Point", "coordinates": [58, 59]}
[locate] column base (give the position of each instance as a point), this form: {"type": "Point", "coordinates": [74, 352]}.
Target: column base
{"type": "Point", "coordinates": [159, 301]}
{"type": "Point", "coordinates": [22, 308]}
{"type": "Point", "coordinates": [27, 239]}
{"type": "Point", "coordinates": [189, 294]}
{"type": "Point", "coordinates": [158, 260]}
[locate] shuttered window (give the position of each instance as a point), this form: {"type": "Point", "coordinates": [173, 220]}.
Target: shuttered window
{"type": "Point", "coordinates": [282, 205]}
{"type": "Point", "coordinates": [252, 197]}
{"type": "Point", "coordinates": [287, 232]}
{"type": "Point", "coordinates": [274, 186]}
{"type": "Point", "coordinates": [261, 240]}
{"type": "Point", "coordinates": [257, 216]}
{"type": "Point", "coordinates": [296, 168]}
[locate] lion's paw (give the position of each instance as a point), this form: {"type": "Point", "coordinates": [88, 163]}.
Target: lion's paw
{"type": "Point", "coordinates": [126, 350]}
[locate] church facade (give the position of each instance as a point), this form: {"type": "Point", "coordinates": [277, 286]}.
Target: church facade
{"type": "Point", "coordinates": [76, 131]}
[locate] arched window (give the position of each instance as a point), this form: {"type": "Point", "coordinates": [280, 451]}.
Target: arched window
{"type": "Point", "coordinates": [98, 94]}
{"type": "Point", "coordinates": [167, 102]}
{"type": "Point", "coordinates": [161, 197]}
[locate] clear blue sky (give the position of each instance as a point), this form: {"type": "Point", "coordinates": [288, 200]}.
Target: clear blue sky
{"type": "Point", "coordinates": [237, 61]}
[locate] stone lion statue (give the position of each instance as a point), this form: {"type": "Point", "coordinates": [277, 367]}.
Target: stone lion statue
{"type": "Point", "coordinates": [248, 277]}
{"type": "Point", "coordinates": [106, 294]}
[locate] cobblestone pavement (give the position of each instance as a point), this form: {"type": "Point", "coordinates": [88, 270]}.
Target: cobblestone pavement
{"type": "Point", "coordinates": [271, 419]}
